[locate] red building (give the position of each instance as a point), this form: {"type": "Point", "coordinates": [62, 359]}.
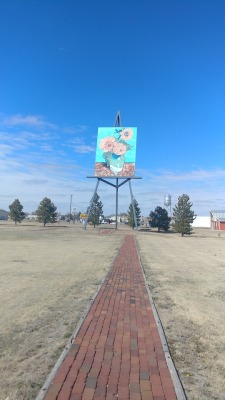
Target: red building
{"type": "Point", "coordinates": [217, 219]}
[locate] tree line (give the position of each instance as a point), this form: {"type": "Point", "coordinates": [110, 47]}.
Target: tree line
{"type": "Point", "coordinates": [181, 220]}
{"type": "Point", "coordinates": [183, 215]}
{"type": "Point", "coordinates": [46, 212]}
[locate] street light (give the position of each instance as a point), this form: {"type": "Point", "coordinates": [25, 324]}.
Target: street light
{"type": "Point", "coordinates": [70, 207]}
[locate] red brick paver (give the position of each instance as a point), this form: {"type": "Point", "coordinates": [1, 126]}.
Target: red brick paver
{"type": "Point", "coordinates": [117, 353]}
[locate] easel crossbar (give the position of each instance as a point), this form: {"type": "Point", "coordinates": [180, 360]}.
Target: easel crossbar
{"type": "Point", "coordinates": [112, 184]}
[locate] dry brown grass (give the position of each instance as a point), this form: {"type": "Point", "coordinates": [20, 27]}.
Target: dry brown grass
{"type": "Point", "coordinates": [187, 280]}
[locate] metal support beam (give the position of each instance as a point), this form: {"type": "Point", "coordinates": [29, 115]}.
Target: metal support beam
{"type": "Point", "coordinates": [116, 186]}
{"type": "Point", "coordinates": [132, 202]}
{"type": "Point", "coordinates": [92, 200]}
{"type": "Point", "coordinates": [116, 203]}
{"type": "Point", "coordinates": [108, 183]}
{"type": "Point", "coordinates": [118, 121]}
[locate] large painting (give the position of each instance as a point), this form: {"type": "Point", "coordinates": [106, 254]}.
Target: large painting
{"type": "Point", "coordinates": [116, 151]}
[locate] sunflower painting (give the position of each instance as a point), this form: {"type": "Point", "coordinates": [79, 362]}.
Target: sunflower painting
{"type": "Point", "coordinates": [116, 152]}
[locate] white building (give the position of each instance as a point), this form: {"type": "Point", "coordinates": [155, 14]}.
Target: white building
{"type": "Point", "coordinates": [201, 222]}
{"type": "Point", "coordinates": [31, 217]}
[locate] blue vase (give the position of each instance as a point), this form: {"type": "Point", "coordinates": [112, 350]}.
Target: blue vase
{"type": "Point", "coordinates": [116, 163]}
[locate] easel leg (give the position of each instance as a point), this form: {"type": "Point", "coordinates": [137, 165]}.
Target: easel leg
{"type": "Point", "coordinates": [132, 202]}
{"type": "Point", "coordinates": [90, 208]}
{"type": "Point", "coordinates": [116, 202]}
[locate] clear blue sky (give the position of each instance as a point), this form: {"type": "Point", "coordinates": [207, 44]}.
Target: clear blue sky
{"type": "Point", "coordinates": [68, 66]}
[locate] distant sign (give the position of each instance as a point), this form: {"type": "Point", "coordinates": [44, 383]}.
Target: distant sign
{"type": "Point", "coordinates": [83, 216]}
{"type": "Point", "coordinates": [115, 151]}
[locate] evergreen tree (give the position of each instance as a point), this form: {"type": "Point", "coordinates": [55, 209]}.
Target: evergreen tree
{"type": "Point", "coordinates": [131, 220]}
{"type": "Point", "coordinates": [96, 210]}
{"type": "Point", "coordinates": [183, 216]}
{"type": "Point", "coordinates": [160, 219]}
{"type": "Point", "coordinates": [46, 211]}
{"type": "Point", "coordinates": [16, 211]}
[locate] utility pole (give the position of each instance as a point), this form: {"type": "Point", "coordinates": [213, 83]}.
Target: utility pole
{"type": "Point", "coordinates": [70, 207]}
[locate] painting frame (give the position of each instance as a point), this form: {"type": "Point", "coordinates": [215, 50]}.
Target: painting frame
{"type": "Point", "coordinates": [116, 152]}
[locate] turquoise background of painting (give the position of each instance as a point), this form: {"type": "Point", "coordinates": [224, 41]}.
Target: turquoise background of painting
{"type": "Point", "coordinates": [130, 155]}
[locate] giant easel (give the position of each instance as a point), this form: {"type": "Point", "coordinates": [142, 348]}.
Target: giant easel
{"type": "Point", "coordinates": [125, 179]}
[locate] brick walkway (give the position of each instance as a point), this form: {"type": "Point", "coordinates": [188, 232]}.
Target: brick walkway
{"type": "Point", "coordinates": [117, 352]}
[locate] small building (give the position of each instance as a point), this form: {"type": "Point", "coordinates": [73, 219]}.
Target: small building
{"type": "Point", "coordinates": [112, 219]}
{"type": "Point", "coordinates": [32, 217]}
{"type": "Point", "coordinates": [201, 222]}
{"type": "Point", "coordinates": [217, 219]}
{"type": "Point", "coordinates": [4, 215]}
